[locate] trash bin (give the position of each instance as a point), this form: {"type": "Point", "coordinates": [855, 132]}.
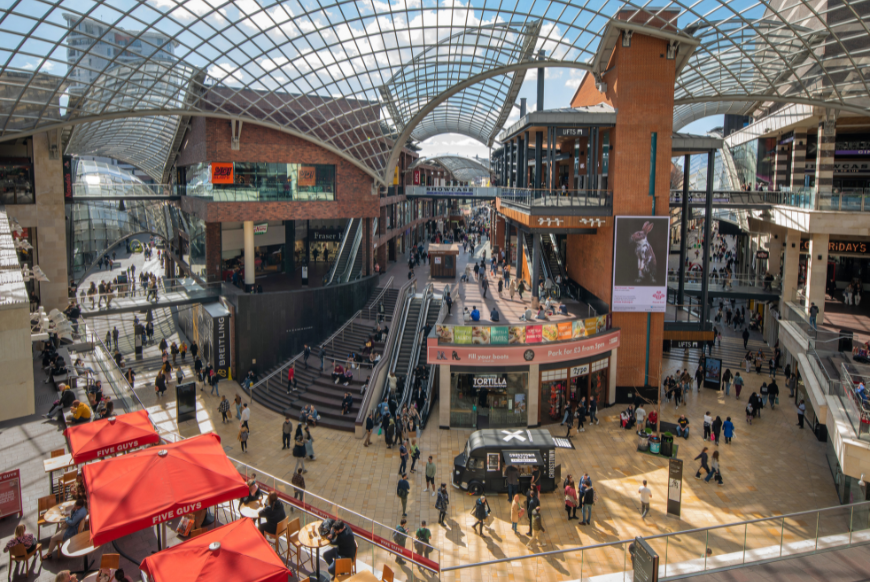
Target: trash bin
{"type": "Point", "coordinates": [845, 344]}
{"type": "Point", "coordinates": [655, 444]}
{"type": "Point", "coordinates": [667, 445]}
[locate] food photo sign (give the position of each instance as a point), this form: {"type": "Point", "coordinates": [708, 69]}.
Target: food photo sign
{"type": "Point", "coordinates": [522, 334]}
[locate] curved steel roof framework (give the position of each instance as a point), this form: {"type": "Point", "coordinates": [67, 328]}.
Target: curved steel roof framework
{"type": "Point", "coordinates": [462, 168]}
{"type": "Point", "coordinates": [360, 77]}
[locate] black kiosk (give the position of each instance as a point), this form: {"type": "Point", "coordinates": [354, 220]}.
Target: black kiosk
{"type": "Point", "coordinates": [480, 467]}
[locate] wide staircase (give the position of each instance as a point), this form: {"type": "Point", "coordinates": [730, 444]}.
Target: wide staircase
{"type": "Point", "coordinates": [316, 387]}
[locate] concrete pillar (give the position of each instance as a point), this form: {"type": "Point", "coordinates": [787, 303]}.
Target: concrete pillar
{"type": "Point", "coordinates": [611, 379]}
{"type": "Point", "coordinates": [817, 274]}
{"type": "Point", "coordinates": [774, 248]}
{"type": "Point", "coordinates": [526, 159]}
{"type": "Point", "coordinates": [534, 395]}
{"type": "Point", "coordinates": [798, 159]}
{"type": "Point", "coordinates": [780, 166]}
{"type": "Point", "coordinates": [825, 154]}
{"type": "Point", "coordinates": [790, 266]}
{"type": "Point", "coordinates": [536, 262]}
{"type": "Point", "coordinates": [289, 246]}
{"type": "Point", "coordinates": [684, 222]}
{"type": "Point", "coordinates": [539, 153]}
{"type": "Point", "coordinates": [213, 251]}
{"type": "Point", "coordinates": [518, 273]}
{"type": "Point", "coordinates": [250, 269]}
{"type": "Point", "coordinates": [444, 396]}
{"type": "Point", "coordinates": [521, 163]}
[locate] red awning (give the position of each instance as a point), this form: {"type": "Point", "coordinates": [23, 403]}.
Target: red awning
{"type": "Point", "coordinates": [244, 555]}
{"type": "Point", "coordinates": [129, 493]}
{"type": "Point", "coordinates": [117, 434]}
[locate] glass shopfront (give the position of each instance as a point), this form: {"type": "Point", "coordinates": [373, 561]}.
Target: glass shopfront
{"type": "Point", "coordinates": [246, 181]}
{"type": "Point", "coordinates": [563, 387]}
{"type": "Point", "coordinates": [489, 399]}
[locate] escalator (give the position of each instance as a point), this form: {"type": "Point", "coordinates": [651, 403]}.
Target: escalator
{"type": "Point", "coordinates": [346, 258]}
{"type": "Point", "coordinates": [528, 241]}
{"type": "Point", "coordinates": [551, 255]}
{"type": "Point", "coordinates": [433, 314]}
{"type": "Point", "coordinates": [406, 342]}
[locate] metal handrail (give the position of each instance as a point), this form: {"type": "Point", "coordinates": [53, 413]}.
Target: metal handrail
{"type": "Point", "coordinates": [406, 307]}
{"type": "Point", "coordinates": [380, 296]}
{"type": "Point", "coordinates": [378, 369]}
{"type": "Point", "coordinates": [331, 274]}
{"type": "Point", "coordinates": [424, 414]}
{"type": "Point", "coordinates": [351, 257]}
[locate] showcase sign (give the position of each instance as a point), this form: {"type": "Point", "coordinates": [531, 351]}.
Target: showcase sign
{"type": "Point", "coordinates": [522, 334]}
{"type": "Point", "coordinates": [221, 173]}
{"type": "Point", "coordinates": [520, 355]}
{"type": "Point", "coordinates": [640, 264]}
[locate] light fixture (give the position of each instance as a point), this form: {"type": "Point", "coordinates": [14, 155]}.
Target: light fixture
{"type": "Point", "coordinates": [861, 482]}
{"type": "Point", "coordinates": [626, 38]}
{"type": "Point", "coordinates": [673, 48]}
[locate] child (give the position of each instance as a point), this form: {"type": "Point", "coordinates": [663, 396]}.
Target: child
{"type": "Point", "coordinates": [243, 438]}
{"type": "Point", "coordinates": [749, 413]}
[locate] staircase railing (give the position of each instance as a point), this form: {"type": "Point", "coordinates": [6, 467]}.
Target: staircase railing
{"type": "Point", "coordinates": [376, 301]}
{"type": "Point", "coordinates": [331, 274]}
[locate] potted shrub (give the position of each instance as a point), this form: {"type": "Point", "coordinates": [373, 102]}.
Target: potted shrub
{"type": "Point", "coordinates": [655, 444]}
{"type": "Point", "coordinates": [667, 444]}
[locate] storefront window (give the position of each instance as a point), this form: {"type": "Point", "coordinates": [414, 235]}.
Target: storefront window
{"type": "Point", "coordinates": [253, 181]}
{"type": "Point", "coordinates": [489, 399]}
{"type": "Point", "coordinates": [16, 183]}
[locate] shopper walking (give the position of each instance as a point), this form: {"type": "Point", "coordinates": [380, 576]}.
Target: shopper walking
{"type": "Point", "coordinates": [537, 526]}
{"type": "Point", "coordinates": [738, 385]}
{"type": "Point", "coordinates": [532, 503]}
{"type": "Point", "coordinates": [403, 458]}
{"type": "Point", "coordinates": [299, 449]}
{"type": "Point", "coordinates": [309, 443]}
{"type": "Point", "coordinates": [745, 337]}
{"type": "Point", "coordinates": [370, 426]}
{"type": "Point", "coordinates": [442, 503]}
{"type": "Point", "coordinates": [717, 428]}
{"type": "Point", "coordinates": [402, 490]}
{"type": "Point", "coordinates": [298, 482]}
{"type": "Point", "coordinates": [593, 411]}
{"type": "Point", "coordinates": [481, 512]}
{"type": "Point", "coordinates": [243, 438]}
{"type": "Point", "coordinates": [801, 411]}
{"type": "Point", "coordinates": [703, 458]}
{"type": "Point", "coordinates": [645, 497]}
{"type": "Point", "coordinates": [430, 474]}
{"type": "Point", "coordinates": [728, 429]}
{"type": "Point", "coordinates": [399, 538]}
{"type": "Point", "coordinates": [291, 379]}
{"type": "Point", "coordinates": [286, 432]}
{"type": "Point", "coordinates": [246, 416]}
{"type": "Point", "coordinates": [588, 500]}
{"type": "Point", "coordinates": [773, 394]}
{"type": "Point", "coordinates": [715, 471]}
{"type": "Point", "coordinates": [224, 408]}
{"type": "Point", "coordinates": [571, 500]}
{"type": "Point", "coordinates": [727, 377]}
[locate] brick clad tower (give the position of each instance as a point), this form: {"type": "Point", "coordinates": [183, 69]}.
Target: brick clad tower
{"type": "Point", "coordinates": [640, 86]}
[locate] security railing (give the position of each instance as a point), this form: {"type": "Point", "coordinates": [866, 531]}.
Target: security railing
{"type": "Point", "coordinates": [131, 190]}
{"type": "Point", "coordinates": [530, 197]}
{"type": "Point", "coordinates": [850, 200]}
{"type": "Point", "coordinates": [694, 279]}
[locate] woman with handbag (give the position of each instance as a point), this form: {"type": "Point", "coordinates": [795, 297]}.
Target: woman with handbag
{"type": "Point", "coordinates": [309, 444]}
{"type": "Point", "coordinates": [299, 449]}
{"type": "Point", "coordinates": [517, 512]}
{"type": "Point", "coordinates": [480, 512]}
{"type": "Point", "coordinates": [571, 499]}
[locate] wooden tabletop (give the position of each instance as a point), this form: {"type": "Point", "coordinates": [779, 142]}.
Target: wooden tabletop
{"type": "Point", "coordinates": [364, 576]}
{"type": "Point", "coordinates": [251, 509]}
{"type": "Point", "coordinates": [309, 536]}
{"type": "Point", "coordinates": [58, 513]}
{"type": "Point", "coordinates": [56, 463]}
{"type": "Point", "coordinates": [79, 545]}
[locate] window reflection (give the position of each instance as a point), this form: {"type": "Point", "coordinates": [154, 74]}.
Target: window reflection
{"type": "Point", "coordinates": [264, 181]}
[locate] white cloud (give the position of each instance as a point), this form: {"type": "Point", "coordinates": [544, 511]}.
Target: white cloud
{"type": "Point", "coordinates": [190, 9]}
{"type": "Point", "coordinates": [452, 143]}
{"type": "Point", "coordinates": [225, 73]}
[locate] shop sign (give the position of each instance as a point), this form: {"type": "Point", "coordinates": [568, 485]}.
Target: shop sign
{"type": "Point", "coordinates": [764, 255]}
{"type": "Point", "coordinates": [552, 461]}
{"type": "Point", "coordinates": [261, 228]}
{"type": "Point", "coordinates": [579, 370]}
{"type": "Point", "coordinates": [499, 335]}
{"type": "Point", "coordinates": [841, 246]}
{"type": "Point", "coordinates": [490, 382]}
{"type": "Point", "coordinates": [307, 176]}
{"type": "Point", "coordinates": [520, 355]}
{"type": "Point", "coordinates": [221, 343]}
{"type": "Point", "coordinates": [572, 131]}
{"type": "Point", "coordinates": [571, 222]}
{"type": "Point", "coordinates": [221, 173]}
{"type": "Point", "coordinates": [10, 493]}
{"type": "Point", "coordinates": [416, 177]}
{"type": "Point", "coordinates": [326, 235]}
{"type": "Point", "coordinates": [522, 458]}
{"type": "Point", "coordinates": [682, 344]}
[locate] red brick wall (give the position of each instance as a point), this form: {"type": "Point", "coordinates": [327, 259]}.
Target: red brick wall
{"type": "Point", "coordinates": [193, 146]}
{"type": "Point", "coordinates": [640, 85]}
{"type": "Point", "coordinates": [353, 197]}
{"type": "Point", "coordinates": [213, 251]}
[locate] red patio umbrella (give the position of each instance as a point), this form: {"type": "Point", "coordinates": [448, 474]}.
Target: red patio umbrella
{"type": "Point", "coordinates": [236, 551]}
{"type": "Point", "coordinates": [115, 434]}
{"type": "Point", "coordinates": [129, 493]}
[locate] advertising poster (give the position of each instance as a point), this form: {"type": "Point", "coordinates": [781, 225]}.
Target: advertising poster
{"type": "Point", "coordinates": [221, 173]}
{"type": "Point", "coordinates": [579, 328]}
{"type": "Point", "coordinates": [533, 334]}
{"type": "Point", "coordinates": [591, 326]}
{"type": "Point", "coordinates": [566, 331]}
{"type": "Point", "coordinates": [640, 263]}
{"type": "Point", "coordinates": [517, 334]}
{"type": "Point", "coordinates": [675, 486]}
{"type": "Point", "coordinates": [462, 334]}
{"type": "Point", "coordinates": [499, 335]}
{"type": "Point", "coordinates": [550, 332]}
{"type": "Point", "coordinates": [10, 493]}
{"type": "Point", "coordinates": [444, 333]}
{"type": "Point", "coordinates": [307, 176]}
{"type": "Point", "coordinates": [713, 373]}
{"type": "Point", "coordinates": [480, 335]}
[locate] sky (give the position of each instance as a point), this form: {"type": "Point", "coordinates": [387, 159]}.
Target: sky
{"type": "Point", "coordinates": [559, 87]}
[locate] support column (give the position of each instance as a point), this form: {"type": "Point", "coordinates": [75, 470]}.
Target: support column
{"type": "Point", "coordinates": [444, 396]}
{"type": "Point", "coordinates": [790, 267]}
{"type": "Point", "coordinates": [521, 162]}
{"type": "Point", "coordinates": [780, 167]}
{"type": "Point", "coordinates": [817, 274]}
{"type": "Point", "coordinates": [213, 251]}
{"type": "Point", "coordinates": [536, 263]}
{"type": "Point", "coordinates": [539, 158]}
{"type": "Point", "coordinates": [518, 273]}
{"type": "Point", "coordinates": [526, 160]}
{"type": "Point", "coordinates": [684, 229]}
{"type": "Point", "coordinates": [708, 213]}
{"type": "Point", "coordinates": [250, 269]}
{"type": "Point", "coordinates": [774, 249]}
{"type": "Point", "coordinates": [825, 154]}
{"type": "Point", "coordinates": [368, 266]}
{"type": "Point", "coordinates": [534, 395]}
{"type": "Point", "coordinates": [289, 246]}
{"type": "Point", "coordinates": [798, 160]}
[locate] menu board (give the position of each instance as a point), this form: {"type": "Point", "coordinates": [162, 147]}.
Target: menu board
{"type": "Point", "coordinates": [522, 334]}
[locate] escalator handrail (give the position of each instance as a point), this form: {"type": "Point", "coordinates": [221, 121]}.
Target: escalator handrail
{"type": "Point", "coordinates": [351, 257]}
{"type": "Point", "coordinates": [386, 357]}
{"type": "Point", "coordinates": [406, 308]}
{"type": "Point", "coordinates": [557, 254]}
{"type": "Point", "coordinates": [376, 301]}
{"type": "Point", "coordinates": [415, 347]}
{"type": "Point", "coordinates": [331, 275]}
{"type": "Point", "coordinates": [424, 414]}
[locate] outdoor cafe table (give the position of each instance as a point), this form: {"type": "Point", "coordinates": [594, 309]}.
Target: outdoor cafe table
{"type": "Point", "coordinates": [56, 464]}
{"type": "Point", "coordinates": [251, 509]}
{"type": "Point", "coordinates": [80, 545]}
{"type": "Point", "coordinates": [364, 576]}
{"type": "Point", "coordinates": [309, 536]}
{"type": "Point", "coordinates": [58, 513]}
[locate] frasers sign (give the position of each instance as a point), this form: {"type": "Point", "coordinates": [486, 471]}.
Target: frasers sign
{"type": "Point", "coordinates": [490, 382]}
{"type": "Point", "coordinates": [521, 355]}
{"type": "Point", "coordinates": [173, 513]}
{"type": "Point", "coordinates": [117, 448]}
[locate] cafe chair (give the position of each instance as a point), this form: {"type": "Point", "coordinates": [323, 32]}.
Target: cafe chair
{"type": "Point", "coordinates": [58, 453]}
{"type": "Point", "coordinates": [44, 504]}
{"type": "Point", "coordinates": [19, 554]}
{"type": "Point", "coordinates": [110, 561]}
{"type": "Point", "coordinates": [343, 569]}
{"type": "Point", "coordinates": [293, 528]}
{"type": "Point", "coordinates": [197, 532]}
{"type": "Point", "coordinates": [387, 575]}
{"type": "Point", "coordinates": [85, 524]}
{"type": "Point", "coordinates": [280, 530]}
{"type": "Point", "coordinates": [67, 482]}
{"type": "Point", "coordinates": [227, 508]}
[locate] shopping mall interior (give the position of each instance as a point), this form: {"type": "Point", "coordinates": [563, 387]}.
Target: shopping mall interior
{"type": "Point", "coordinates": [442, 252]}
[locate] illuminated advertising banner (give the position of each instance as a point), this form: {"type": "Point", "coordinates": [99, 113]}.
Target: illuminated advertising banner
{"type": "Point", "coordinates": [521, 334]}
{"type": "Point", "coordinates": [640, 264]}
